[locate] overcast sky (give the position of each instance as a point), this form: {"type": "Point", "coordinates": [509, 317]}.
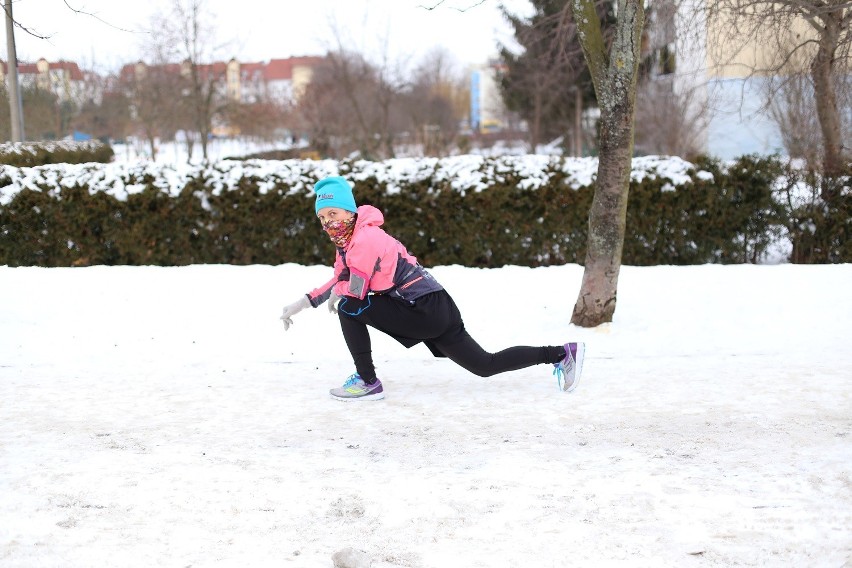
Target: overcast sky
{"type": "Point", "coordinates": [112, 32]}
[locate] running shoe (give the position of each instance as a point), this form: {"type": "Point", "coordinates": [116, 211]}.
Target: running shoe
{"type": "Point", "coordinates": [356, 389]}
{"type": "Point", "coordinates": [567, 371]}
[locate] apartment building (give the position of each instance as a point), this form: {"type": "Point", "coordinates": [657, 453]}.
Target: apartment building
{"type": "Point", "coordinates": [280, 80]}
{"type": "Point", "coordinates": [728, 67]}
{"type": "Point", "coordinates": [62, 78]}
{"type": "Point", "coordinates": [487, 111]}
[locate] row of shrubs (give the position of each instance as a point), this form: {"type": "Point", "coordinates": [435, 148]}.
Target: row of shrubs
{"type": "Point", "coordinates": [29, 154]}
{"type": "Point", "coordinates": [735, 215]}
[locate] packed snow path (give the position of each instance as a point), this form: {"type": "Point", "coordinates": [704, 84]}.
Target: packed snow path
{"type": "Point", "coordinates": [163, 417]}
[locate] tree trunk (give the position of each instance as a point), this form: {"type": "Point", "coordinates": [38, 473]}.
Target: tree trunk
{"type": "Point", "coordinates": [204, 138]}
{"type": "Point", "coordinates": [190, 145]}
{"type": "Point", "coordinates": [822, 71]}
{"type": "Point", "coordinates": [535, 127]}
{"type": "Point", "coordinates": [578, 122]}
{"type": "Point", "coordinates": [607, 219]}
{"type": "Point", "coordinates": [614, 77]}
{"type": "Point", "coordinates": [205, 119]}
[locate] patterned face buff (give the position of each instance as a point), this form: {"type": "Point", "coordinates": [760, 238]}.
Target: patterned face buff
{"type": "Point", "coordinates": [340, 232]}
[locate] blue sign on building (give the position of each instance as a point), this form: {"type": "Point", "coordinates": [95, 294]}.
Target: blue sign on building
{"type": "Point", "coordinates": [475, 111]}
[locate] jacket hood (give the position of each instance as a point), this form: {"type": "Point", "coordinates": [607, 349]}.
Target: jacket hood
{"type": "Point", "coordinates": [369, 216]}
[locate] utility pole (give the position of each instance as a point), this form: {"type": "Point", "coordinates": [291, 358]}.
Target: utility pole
{"type": "Point", "coordinates": [15, 113]}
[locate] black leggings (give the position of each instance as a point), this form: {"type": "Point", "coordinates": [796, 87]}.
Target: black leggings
{"type": "Point", "coordinates": [435, 320]}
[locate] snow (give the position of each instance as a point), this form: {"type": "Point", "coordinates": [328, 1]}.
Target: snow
{"type": "Point", "coordinates": [163, 417]}
{"type": "Point", "coordinates": [462, 173]}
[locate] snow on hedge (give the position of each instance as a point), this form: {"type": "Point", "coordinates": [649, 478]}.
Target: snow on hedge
{"type": "Point", "coordinates": [50, 146]}
{"type": "Point", "coordinates": [461, 173]}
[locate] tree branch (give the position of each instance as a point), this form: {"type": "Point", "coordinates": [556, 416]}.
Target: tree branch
{"type": "Point", "coordinates": [30, 32]}
{"type": "Point", "coordinates": [430, 8]}
{"type": "Point", "coordinates": [591, 39]}
{"type": "Point", "coordinates": [18, 24]}
{"type": "Point", "coordinates": [95, 16]}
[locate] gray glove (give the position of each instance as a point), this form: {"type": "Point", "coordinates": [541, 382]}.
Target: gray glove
{"type": "Point", "coordinates": [332, 302]}
{"type": "Point", "coordinates": [292, 310]}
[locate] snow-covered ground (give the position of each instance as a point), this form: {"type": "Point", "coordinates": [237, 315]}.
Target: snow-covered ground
{"type": "Point", "coordinates": [163, 417]}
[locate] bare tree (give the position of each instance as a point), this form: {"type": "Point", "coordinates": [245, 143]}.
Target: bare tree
{"type": "Point", "coordinates": [361, 88]}
{"type": "Point", "coordinates": [154, 92]}
{"type": "Point", "coordinates": [669, 121]}
{"type": "Point", "coordinates": [818, 31]}
{"type": "Point", "coordinates": [614, 70]}
{"type": "Point", "coordinates": [319, 115]}
{"type": "Point", "coordinates": [185, 34]}
{"type": "Point", "coordinates": [791, 107]}
{"type": "Point", "coordinates": [790, 100]}
{"type": "Point", "coordinates": [371, 92]}
{"type": "Point", "coordinates": [261, 119]}
{"type": "Point", "coordinates": [109, 118]}
{"type": "Point", "coordinates": [369, 95]}
{"type": "Point", "coordinates": [42, 113]}
{"type": "Point", "coordinates": [429, 103]}
{"type": "Point", "coordinates": [15, 99]}
{"type": "Point", "coordinates": [672, 115]}
{"type": "Point", "coordinates": [352, 105]}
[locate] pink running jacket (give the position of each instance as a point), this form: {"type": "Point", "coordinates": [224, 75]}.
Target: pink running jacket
{"type": "Point", "coordinates": [375, 262]}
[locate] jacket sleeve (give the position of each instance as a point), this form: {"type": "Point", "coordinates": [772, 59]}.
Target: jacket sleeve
{"type": "Point", "coordinates": [319, 295]}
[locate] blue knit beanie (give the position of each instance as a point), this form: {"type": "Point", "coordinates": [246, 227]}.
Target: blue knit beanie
{"type": "Point", "coordinates": [334, 192]}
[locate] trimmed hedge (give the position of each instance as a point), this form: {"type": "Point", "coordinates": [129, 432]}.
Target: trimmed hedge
{"type": "Point", "coordinates": [730, 216]}
{"type": "Point", "coordinates": [30, 154]}
{"type": "Point", "coordinates": [820, 216]}
{"type": "Point", "coordinates": [715, 215]}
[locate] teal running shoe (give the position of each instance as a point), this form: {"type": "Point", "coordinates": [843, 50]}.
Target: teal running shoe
{"type": "Point", "coordinates": [567, 371]}
{"type": "Point", "coordinates": [356, 389]}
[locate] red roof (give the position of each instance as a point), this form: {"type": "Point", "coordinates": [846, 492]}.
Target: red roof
{"type": "Point", "coordinates": [274, 70]}
{"type": "Point", "coordinates": [31, 69]}
{"type": "Point", "coordinates": [27, 68]}
{"type": "Point", "coordinates": [128, 72]}
{"type": "Point", "coordinates": [279, 69]}
{"type": "Point", "coordinates": [70, 67]}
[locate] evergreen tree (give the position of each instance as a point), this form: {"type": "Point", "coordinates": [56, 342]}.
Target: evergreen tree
{"type": "Point", "coordinates": [542, 82]}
